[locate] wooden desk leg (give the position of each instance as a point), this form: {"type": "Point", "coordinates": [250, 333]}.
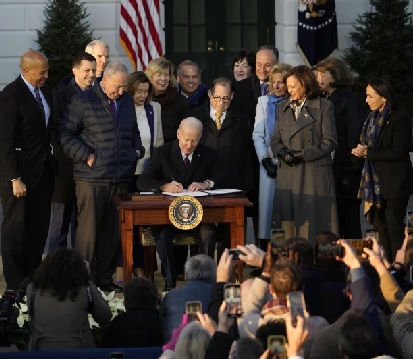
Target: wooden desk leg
{"type": "Point", "coordinates": [127, 243]}
{"type": "Point", "coordinates": [237, 237]}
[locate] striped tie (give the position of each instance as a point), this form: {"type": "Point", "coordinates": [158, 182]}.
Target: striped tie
{"type": "Point", "coordinates": [39, 101]}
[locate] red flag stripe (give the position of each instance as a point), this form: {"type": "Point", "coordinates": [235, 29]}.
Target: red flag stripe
{"type": "Point", "coordinates": [140, 31]}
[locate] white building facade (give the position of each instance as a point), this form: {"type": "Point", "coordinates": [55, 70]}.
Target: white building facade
{"type": "Point", "coordinates": [19, 20]}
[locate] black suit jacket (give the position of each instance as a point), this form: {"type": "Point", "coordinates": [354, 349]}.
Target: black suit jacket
{"type": "Point", "coordinates": [349, 117]}
{"type": "Point", "coordinates": [167, 165]}
{"type": "Point", "coordinates": [24, 137]}
{"type": "Point", "coordinates": [246, 93]}
{"type": "Point", "coordinates": [64, 190]}
{"type": "Point", "coordinates": [392, 157]}
{"type": "Point", "coordinates": [234, 166]}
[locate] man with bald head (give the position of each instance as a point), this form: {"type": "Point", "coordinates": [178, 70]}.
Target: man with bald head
{"type": "Point", "coordinates": [183, 164]}
{"type": "Point", "coordinates": [26, 168]}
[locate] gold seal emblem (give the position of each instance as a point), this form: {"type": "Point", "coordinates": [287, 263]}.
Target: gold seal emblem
{"type": "Point", "coordinates": [185, 212]}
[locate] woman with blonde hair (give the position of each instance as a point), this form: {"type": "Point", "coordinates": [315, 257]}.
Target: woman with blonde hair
{"type": "Point", "coordinates": [192, 343]}
{"type": "Point", "coordinates": [263, 131]}
{"type": "Point", "coordinates": [174, 105]}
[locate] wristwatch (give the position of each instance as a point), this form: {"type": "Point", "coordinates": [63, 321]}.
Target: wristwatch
{"type": "Point", "coordinates": [209, 183]}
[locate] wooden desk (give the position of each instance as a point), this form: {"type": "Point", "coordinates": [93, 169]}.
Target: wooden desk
{"type": "Point", "coordinates": [217, 209]}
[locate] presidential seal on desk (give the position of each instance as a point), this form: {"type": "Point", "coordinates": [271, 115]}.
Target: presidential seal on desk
{"type": "Point", "coordinates": [185, 212]}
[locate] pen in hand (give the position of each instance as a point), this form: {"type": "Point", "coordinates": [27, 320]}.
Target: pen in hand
{"type": "Point", "coordinates": [176, 186]}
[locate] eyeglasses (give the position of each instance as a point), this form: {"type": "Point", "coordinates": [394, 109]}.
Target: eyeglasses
{"type": "Point", "coordinates": [219, 98]}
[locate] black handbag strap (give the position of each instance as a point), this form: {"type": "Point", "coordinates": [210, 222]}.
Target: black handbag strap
{"type": "Point", "coordinates": [89, 298]}
{"type": "Point", "coordinates": [31, 310]}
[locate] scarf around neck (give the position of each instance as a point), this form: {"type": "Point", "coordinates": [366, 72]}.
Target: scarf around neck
{"type": "Point", "coordinates": [370, 191]}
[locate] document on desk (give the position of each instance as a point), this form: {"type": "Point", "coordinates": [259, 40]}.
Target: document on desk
{"type": "Point", "coordinates": [222, 191]}
{"type": "Point", "coordinates": [186, 193]}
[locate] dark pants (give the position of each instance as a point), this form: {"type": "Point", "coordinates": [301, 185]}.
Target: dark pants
{"type": "Point", "coordinates": [206, 234]}
{"type": "Point", "coordinates": [389, 222]}
{"type": "Point", "coordinates": [97, 235]}
{"type": "Point", "coordinates": [63, 216]}
{"type": "Point", "coordinates": [349, 218]}
{"type": "Point", "coordinates": [24, 229]}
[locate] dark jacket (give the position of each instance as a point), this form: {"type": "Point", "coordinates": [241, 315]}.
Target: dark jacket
{"type": "Point", "coordinates": [325, 344]}
{"type": "Point", "coordinates": [349, 117]}
{"type": "Point", "coordinates": [167, 165]}
{"type": "Point", "coordinates": [232, 144]}
{"type": "Point", "coordinates": [24, 136]}
{"type": "Point", "coordinates": [134, 329]}
{"type": "Point", "coordinates": [246, 93]}
{"type": "Point", "coordinates": [392, 157]}
{"type": "Point", "coordinates": [88, 127]}
{"type": "Point", "coordinates": [173, 304]}
{"type": "Point", "coordinates": [174, 108]}
{"type": "Point", "coordinates": [64, 189]}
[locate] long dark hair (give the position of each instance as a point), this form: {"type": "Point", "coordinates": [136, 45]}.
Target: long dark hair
{"type": "Point", "coordinates": [385, 89]}
{"type": "Point", "coordinates": [63, 272]}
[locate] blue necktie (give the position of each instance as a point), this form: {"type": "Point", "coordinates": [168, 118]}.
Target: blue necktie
{"type": "Point", "coordinates": [264, 89]}
{"type": "Point", "coordinates": [39, 101]}
{"type": "Point", "coordinates": [113, 109]}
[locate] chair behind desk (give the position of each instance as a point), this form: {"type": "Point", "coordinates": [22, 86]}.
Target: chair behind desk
{"type": "Point", "coordinates": [184, 238]}
{"type": "Point", "coordinates": [100, 353]}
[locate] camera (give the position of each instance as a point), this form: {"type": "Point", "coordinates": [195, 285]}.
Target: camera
{"type": "Point", "coordinates": [236, 253]}
{"type": "Point", "coordinates": [8, 316]}
{"type": "Point", "coordinates": [327, 253]}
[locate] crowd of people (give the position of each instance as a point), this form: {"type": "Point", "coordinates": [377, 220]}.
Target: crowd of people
{"type": "Point", "coordinates": [295, 139]}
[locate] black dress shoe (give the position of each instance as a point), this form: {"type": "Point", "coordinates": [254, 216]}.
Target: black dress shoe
{"type": "Point", "coordinates": [111, 288]}
{"type": "Point", "coordinates": [169, 285]}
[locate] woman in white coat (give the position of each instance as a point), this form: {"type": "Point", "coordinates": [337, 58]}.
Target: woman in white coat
{"type": "Point", "coordinates": [263, 131]}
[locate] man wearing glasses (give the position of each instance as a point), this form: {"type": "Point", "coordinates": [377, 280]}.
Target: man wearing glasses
{"type": "Point", "coordinates": [227, 131]}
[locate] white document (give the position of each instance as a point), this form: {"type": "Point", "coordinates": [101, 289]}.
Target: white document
{"type": "Point", "coordinates": [186, 193]}
{"type": "Point", "coordinates": [222, 191]}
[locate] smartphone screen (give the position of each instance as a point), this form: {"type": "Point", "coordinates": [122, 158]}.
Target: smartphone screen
{"type": "Point", "coordinates": [116, 355]}
{"type": "Point", "coordinates": [409, 220]}
{"type": "Point", "coordinates": [232, 297]}
{"type": "Point", "coordinates": [192, 308]}
{"type": "Point", "coordinates": [360, 244]}
{"type": "Point", "coordinates": [411, 274]}
{"type": "Point", "coordinates": [296, 305]}
{"type": "Point", "coordinates": [372, 233]}
{"type": "Point", "coordinates": [278, 238]}
{"type": "Point", "coordinates": [276, 345]}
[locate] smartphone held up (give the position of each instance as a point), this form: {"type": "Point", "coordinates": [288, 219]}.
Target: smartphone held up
{"type": "Point", "coordinates": [192, 308]}
{"type": "Point", "coordinates": [232, 297]}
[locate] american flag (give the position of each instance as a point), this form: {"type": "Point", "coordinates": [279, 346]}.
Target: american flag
{"type": "Point", "coordinates": [140, 31]}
